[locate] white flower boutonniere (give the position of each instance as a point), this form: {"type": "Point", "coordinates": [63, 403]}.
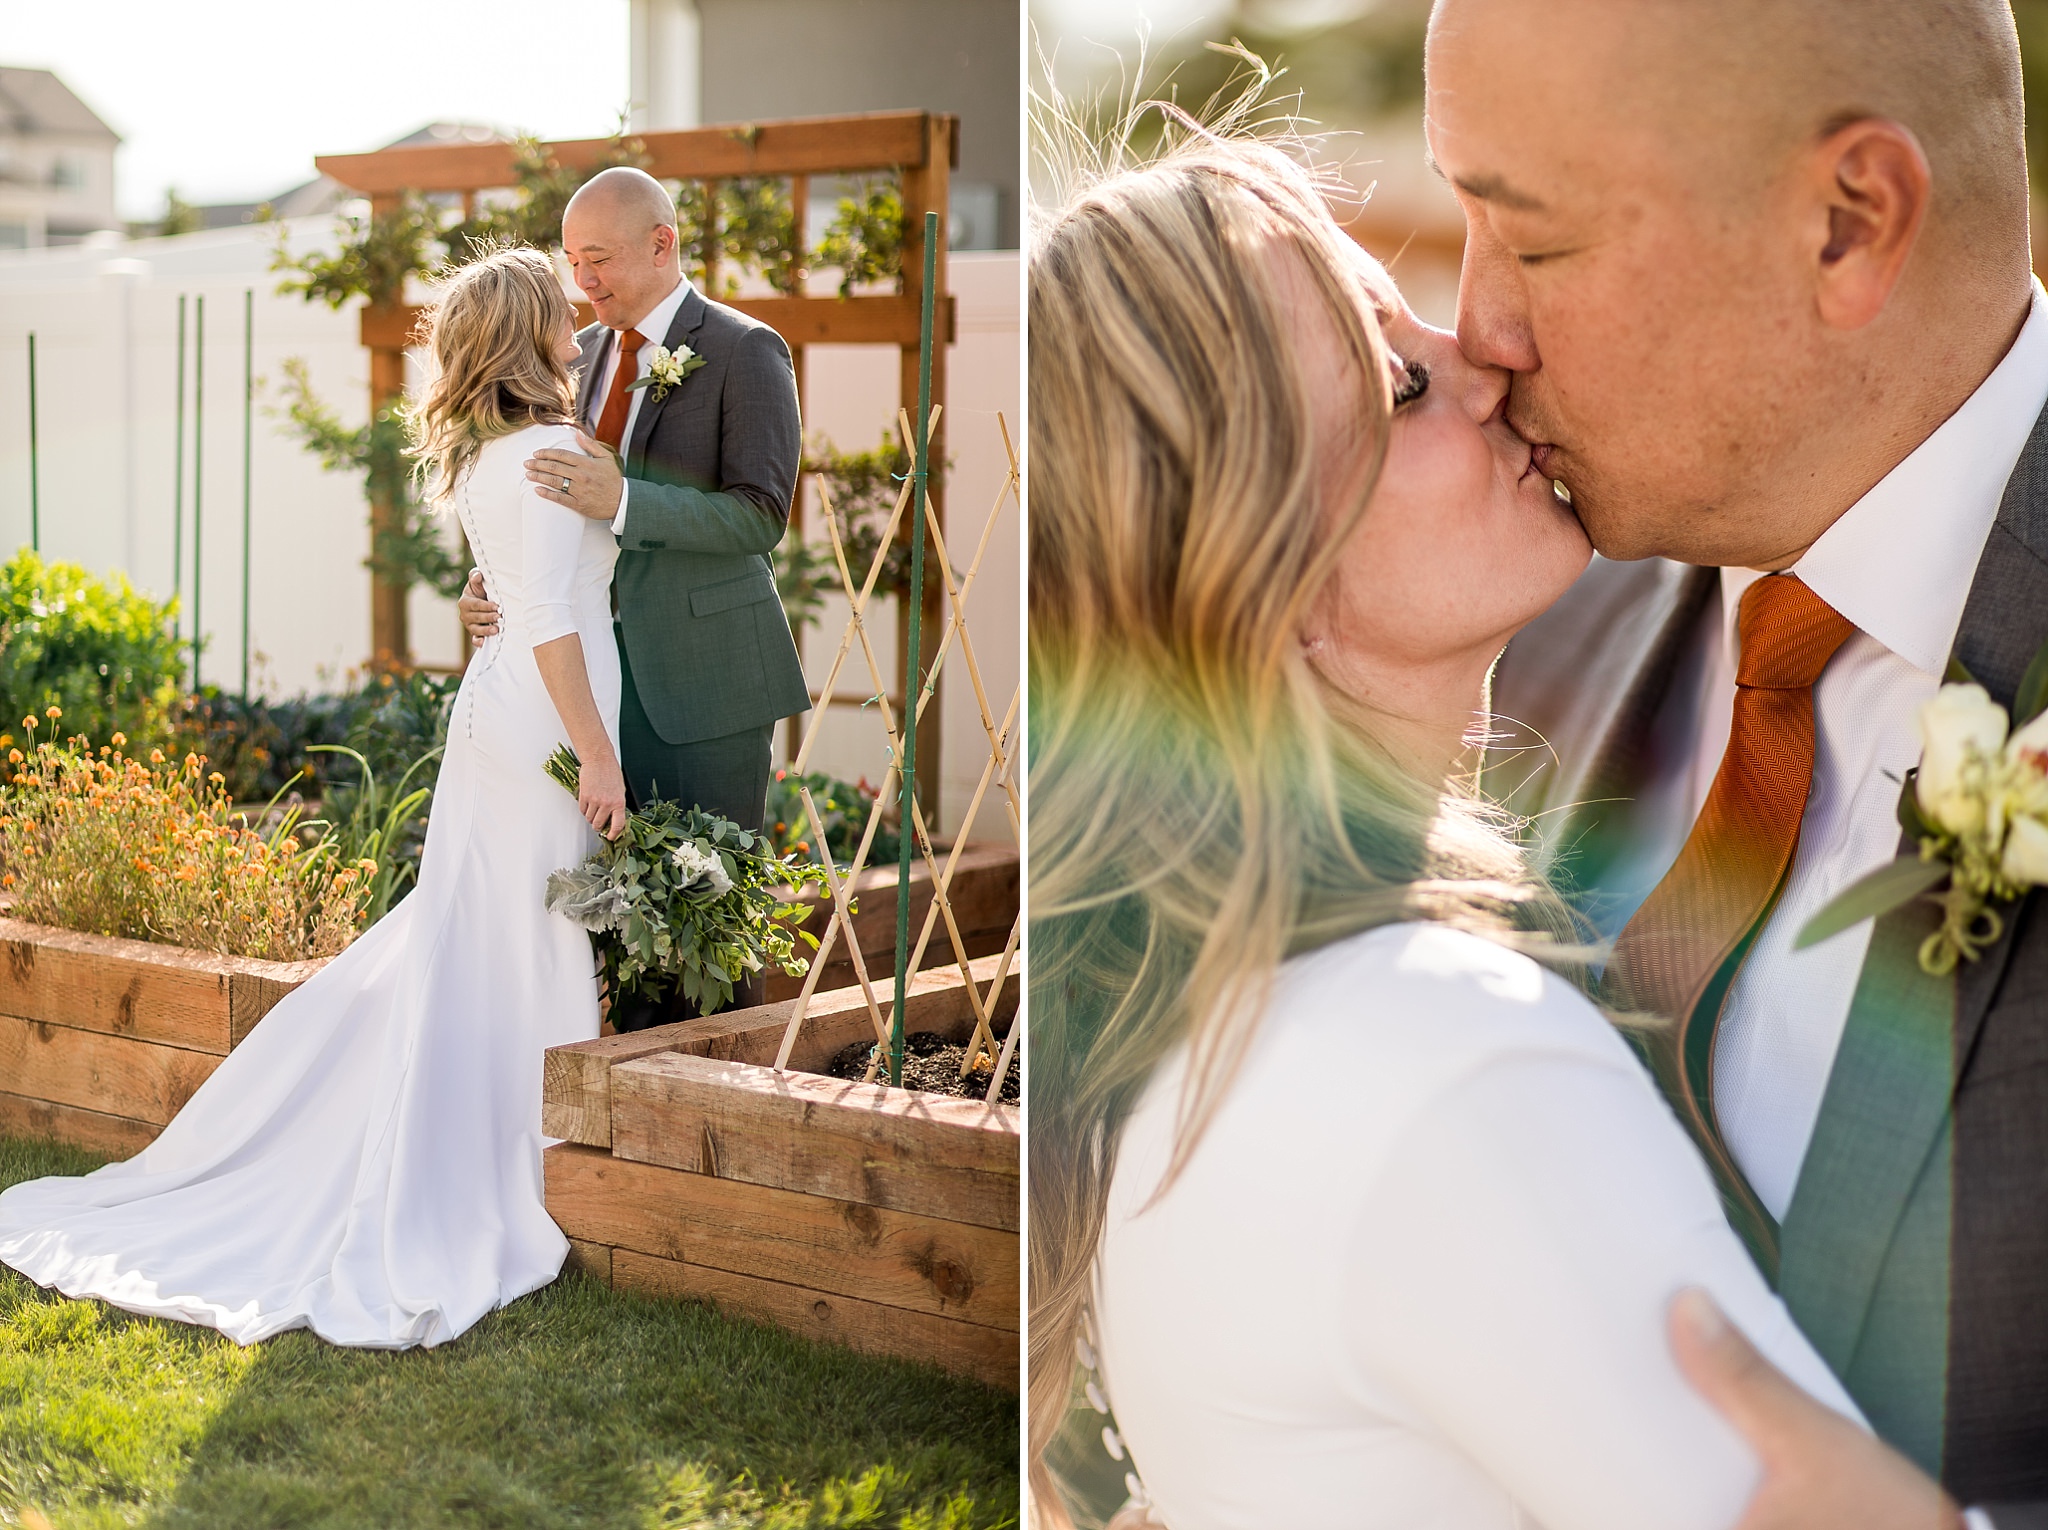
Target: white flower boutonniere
{"type": "Point", "coordinates": [665, 369]}
{"type": "Point", "coordinates": [1978, 805]}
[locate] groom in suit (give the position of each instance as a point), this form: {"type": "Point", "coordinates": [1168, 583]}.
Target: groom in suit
{"type": "Point", "coordinates": [1761, 271]}
{"type": "Point", "coordinates": [695, 478]}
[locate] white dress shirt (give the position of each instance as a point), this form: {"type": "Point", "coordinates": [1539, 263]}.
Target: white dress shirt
{"type": "Point", "coordinates": [1414, 1275]}
{"type": "Point", "coordinates": [653, 330]}
{"type": "Point", "coordinates": [1899, 564]}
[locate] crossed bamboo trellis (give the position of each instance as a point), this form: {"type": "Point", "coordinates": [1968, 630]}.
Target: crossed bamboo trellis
{"type": "Point", "coordinates": [997, 770]}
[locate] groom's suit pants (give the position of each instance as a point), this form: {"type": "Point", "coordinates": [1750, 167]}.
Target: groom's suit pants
{"type": "Point", "coordinates": [726, 775]}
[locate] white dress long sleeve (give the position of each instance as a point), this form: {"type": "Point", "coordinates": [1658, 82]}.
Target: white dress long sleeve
{"type": "Point", "coordinates": [367, 1163]}
{"type": "Point", "coordinates": [1415, 1275]}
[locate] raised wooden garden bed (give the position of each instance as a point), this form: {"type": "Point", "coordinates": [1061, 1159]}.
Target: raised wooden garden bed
{"type": "Point", "coordinates": [879, 1218]}
{"type": "Point", "coordinates": [984, 894]}
{"type": "Point", "coordinates": [102, 1041]}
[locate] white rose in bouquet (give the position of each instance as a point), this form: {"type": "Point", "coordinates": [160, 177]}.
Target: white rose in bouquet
{"type": "Point", "coordinates": [1963, 731]}
{"type": "Point", "coordinates": [697, 866]}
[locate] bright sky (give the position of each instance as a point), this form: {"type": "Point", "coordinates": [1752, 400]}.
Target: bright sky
{"type": "Point", "coordinates": [229, 100]}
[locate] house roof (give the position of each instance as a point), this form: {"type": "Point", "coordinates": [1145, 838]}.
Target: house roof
{"type": "Point", "coordinates": [36, 101]}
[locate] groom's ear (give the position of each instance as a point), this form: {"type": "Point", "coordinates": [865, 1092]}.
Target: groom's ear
{"type": "Point", "coordinates": [1871, 187]}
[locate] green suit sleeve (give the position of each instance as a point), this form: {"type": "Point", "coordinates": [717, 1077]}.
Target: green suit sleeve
{"type": "Point", "coordinates": [761, 448]}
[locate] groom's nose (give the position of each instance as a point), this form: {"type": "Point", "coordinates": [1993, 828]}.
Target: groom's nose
{"type": "Point", "coordinates": [1493, 310]}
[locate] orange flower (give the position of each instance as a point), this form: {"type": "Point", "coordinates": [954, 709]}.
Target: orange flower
{"type": "Point", "coordinates": [53, 713]}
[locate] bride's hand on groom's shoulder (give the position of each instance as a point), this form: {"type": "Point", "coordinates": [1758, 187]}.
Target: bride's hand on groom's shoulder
{"type": "Point", "coordinates": [1820, 1471]}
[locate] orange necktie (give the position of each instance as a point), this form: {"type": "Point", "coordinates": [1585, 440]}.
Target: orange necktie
{"type": "Point", "coordinates": [611, 424]}
{"type": "Point", "coordinates": [1679, 954]}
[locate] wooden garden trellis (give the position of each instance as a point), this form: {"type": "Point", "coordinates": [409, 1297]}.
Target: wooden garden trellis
{"type": "Point", "coordinates": [922, 148]}
{"type": "Point", "coordinates": [999, 770]}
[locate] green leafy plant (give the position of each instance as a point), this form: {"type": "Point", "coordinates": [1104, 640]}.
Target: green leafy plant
{"type": "Point", "coordinates": [375, 826]}
{"type": "Point", "coordinates": [100, 650]}
{"type": "Point", "coordinates": [373, 255]}
{"type": "Point", "coordinates": [865, 237]}
{"type": "Point", "coordinates": [683, 901]}
{"type": "Point", "coordinates": [844, 805]}
{"type": "Point", "coordinates": [862, 487]}
{"type": "Point", "coordinates": [757, 231]}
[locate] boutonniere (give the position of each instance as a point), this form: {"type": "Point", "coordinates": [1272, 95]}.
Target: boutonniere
{"type": "Point", "coordinates": [1978, 805]}
{"type": "Point", "coordinates": [666, 369]}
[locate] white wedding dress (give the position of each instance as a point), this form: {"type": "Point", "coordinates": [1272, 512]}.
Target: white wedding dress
{"type": "Point", "coordinates": [366, 1163]}
{"type": "Point", "coordinates": [1415, 1274]}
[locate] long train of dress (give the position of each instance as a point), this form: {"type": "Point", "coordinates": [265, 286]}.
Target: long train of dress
{"type": "Point", "coordinates": [367, 1163]}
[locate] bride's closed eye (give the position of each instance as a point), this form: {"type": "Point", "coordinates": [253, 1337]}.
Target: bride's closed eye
{"type": "Point", "coordinates": [1411, 382]}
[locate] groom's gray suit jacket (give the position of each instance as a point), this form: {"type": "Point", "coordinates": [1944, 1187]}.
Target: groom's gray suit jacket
{"type": "Point", "coordinates": [1915, 1251]}
{"type": "Point", "coordinates": [711, 468]}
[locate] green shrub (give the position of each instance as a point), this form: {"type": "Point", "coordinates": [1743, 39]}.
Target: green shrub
{"type": "Point", "coordinates": [844, 805]}
{"type": "Point", "coordinates": [101, 650]}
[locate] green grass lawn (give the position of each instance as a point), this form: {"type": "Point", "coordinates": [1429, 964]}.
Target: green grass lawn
{"type": "Point", "coordinates": [578, 1406]}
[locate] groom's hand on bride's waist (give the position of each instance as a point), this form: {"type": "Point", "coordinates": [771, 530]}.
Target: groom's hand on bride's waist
{"type": "Point", "coordinates": [588, 484]}
{"type": "Point", "coordinates": [479, 613]}
{"type": "Point", "coordinates": [1820, 1471]}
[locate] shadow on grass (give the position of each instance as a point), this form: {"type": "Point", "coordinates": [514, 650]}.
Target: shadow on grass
{"type": "Point", "coordinates": [577, 1406]}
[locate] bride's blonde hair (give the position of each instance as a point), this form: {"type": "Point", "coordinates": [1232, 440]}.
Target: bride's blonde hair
{"type": "Point", "coordinates": [1203, 803]}
{"type": "Point", "coordinates": [490, 337]}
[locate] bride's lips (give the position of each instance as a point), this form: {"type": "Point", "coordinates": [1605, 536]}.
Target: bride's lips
{"type": "Point", "coordinates": [1539, 458]}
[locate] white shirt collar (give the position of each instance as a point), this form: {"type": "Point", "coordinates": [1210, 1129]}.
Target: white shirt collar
{"type": "Point", "coordinates": [653, 329]}
{"type": "Point", "coordinates": [1900, 561]}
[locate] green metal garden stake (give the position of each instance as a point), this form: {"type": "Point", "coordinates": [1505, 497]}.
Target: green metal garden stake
{"type": "Point", "coordinates": [198, 467]}
{"type": "Point", "coordinates": [178, 481]}
{"type": "Point", "coordinates": [35, 465]}
{"type": "Point", "coordinates": [248, 417]}
{"type": "Point", "coordinates": [906, 795]}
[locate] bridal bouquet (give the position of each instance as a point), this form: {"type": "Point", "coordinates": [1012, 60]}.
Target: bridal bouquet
{"type": "Point", "coordinates": [1978, 805]}
{"type": "Point", "coordinates": [683, 901]}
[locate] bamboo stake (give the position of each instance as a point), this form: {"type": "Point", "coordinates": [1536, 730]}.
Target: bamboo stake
{"type": "Point", "coordinates": [178, 485]}
{"type": "Point", "coordinates": [198, 473]}
{"type": "Point", "coordinates": [995, 1085]}
{"type": "Point", "coordinates": [248, 437]}
{"type": "Point", "coordinates": [35, 465]}
{"type": "Point", "coordinates": [920, 473]}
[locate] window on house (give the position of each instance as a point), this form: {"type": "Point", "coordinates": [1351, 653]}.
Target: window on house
{"type": "Point", "coordinates": [13, 236]}
{"type": "Point", "coordinates": [68, 173]}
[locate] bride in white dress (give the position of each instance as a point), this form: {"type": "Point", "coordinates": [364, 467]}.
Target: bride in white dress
{"type": "Point", "coordinates": [367, 1163]}
{"type": "Point", "coordinates": [1354, 1214]}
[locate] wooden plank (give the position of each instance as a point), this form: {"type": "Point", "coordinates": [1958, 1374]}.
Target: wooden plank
{"type": "Point", "coordinates": [136, 988]}
{"type": "Point", "coordinates": [115, 1075]}
{"type": "Point", "coordinates": [921, 1264]}
{"type": "Point", "coordinates": [899, 1148]}
{"type": "Point", "coordinates": [969, 1349]}
{"type": "Point", "coordinates": [593, 1259]}
{"type": "Point", "coordinates": [886, 318]}
{"type": "Point", "coordinates": [575, 1079]}
{"type": "Point", "coordinates": [795, 146]}
{"type": "Point", "coordinates": [115, 1136]}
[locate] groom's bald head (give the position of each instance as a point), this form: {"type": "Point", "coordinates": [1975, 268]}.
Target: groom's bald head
{"type": "Point", "coordinates": [1702, 230]}
{"type": "Point", "coordinates": [632, 201]}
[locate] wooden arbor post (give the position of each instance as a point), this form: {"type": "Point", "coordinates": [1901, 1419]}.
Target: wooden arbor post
{"type": "Point", "coordinates": [921, 147]}
{"type": "Point", "coordinates": [385, 330]}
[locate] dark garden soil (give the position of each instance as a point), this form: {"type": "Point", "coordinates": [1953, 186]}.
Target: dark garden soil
{"type": "Point", "coordinates": [931, 1063]}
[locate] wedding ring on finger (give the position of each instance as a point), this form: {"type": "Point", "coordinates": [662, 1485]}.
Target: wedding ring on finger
{"type": "Point", "coordinates": [565, 486]}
